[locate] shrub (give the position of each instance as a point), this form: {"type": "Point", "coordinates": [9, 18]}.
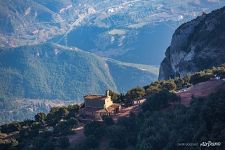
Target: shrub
{"type": "Point", "coordinates": [168, 85]}
{"type": "Point", "coordinates": [73, 111]}
{"type": "Point", "coordinates": [8, 144]}
{"type": "Point", "coordinates": [12, 127]}
{"type": "Point", "coordinates": [108, 120]}
{"type": "Point", "coordinates": [200, 77]}
{"type": "Point", "coordinates": [116, 135]}
{"type": "Point", "coordinates": [40, 117]}
{"type": "Point", "coordinates": [159, 100]}
{"type": "Point", "coordinates": [136, 93]}
{"type": "Point", "coordinates": [63, 142]}
{"type": "Point", "coordinates": [94, 128]}
{"type": "Point", "coordinates": [92, 141]}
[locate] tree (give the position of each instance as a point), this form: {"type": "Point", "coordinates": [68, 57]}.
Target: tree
{"type": "Point", "coordinates": [40, 117]}
{"type": "Point", "coordinates": [108, 120]}
{"type": "Point", "coordinates": [219, 71]}
{"type": "Point", "coordinates": [63, 128]}
{"type": "Point", "coordinates": [50, 145]}
{"type": "Point", "coordinates": [38, 142]}
{"type": "Point", "coordinates": [115, 97]}
{"type": "Point", "coordinates": [116, 135]}
{"type": "Point", "coordinates": [72, 122]}
{"type": "Point", "coordinates": [8, 144]}
{"type": "Point", "coordinates": [92, 141]}
{"type": "Point", "coordinates": [73, 111]}
{"type": "Point", "coordinates": [56, 114]}
{"type": "Point", "coordinates": [160, 100]}
{"type": "Point", "coordinates": [94, 128]}
{"type": "Point", "coordinates": [63, 142]}
{"type": "Point", "coordinates": [136, 93]}
{"type": "Point", "coordinates": [27, 123]}
{"type": "Point", "coordinates": [200, 77]}
{"type": "Point", "coordinates": [131, 127]}
{"type": "Point", "coordinates": [168, 85]}
{"type": "Point", "coordinates": [203, 120]}
{"type": "Point", "coordinates": [62, 112]}
{"type": "Point", "coordinates": [179, 83]}
{"type": "Point", "coordinates": [152, 89]}
{"type": "Point", "coordinates": [12, 127]}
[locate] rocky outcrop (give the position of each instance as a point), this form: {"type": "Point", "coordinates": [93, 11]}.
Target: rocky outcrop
{"type": "Point", "coordinates": [196, 45]}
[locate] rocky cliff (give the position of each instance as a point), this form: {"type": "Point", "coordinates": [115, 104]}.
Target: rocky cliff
{"type": "Point", "coordinates": [196, 45]}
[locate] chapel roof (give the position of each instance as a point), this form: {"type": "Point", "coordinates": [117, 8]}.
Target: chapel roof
{"type": "Point", "coordinates": [95, 97]}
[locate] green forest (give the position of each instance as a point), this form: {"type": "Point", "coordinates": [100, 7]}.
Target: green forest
{"type": "Point", "coordinates": [163, 122]}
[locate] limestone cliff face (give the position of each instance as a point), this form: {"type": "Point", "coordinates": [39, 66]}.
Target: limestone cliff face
{"type": "Point", "coordinates": [196, 45]}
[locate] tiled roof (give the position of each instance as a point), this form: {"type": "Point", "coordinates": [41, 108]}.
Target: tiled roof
{"type": "Point", "coordinates": [95, 97]}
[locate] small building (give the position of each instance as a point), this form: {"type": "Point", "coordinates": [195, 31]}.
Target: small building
{"type": "Point", "coordinates": [97, 106]}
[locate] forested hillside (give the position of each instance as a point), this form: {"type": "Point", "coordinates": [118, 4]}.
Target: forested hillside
{"type": "Point", "coordinates": [50, 71]}
{"type": "Point", "coordinates": [161, 122]}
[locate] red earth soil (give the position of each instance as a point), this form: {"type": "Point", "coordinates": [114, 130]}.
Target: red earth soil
{"type": "Point", "coordinates": [200, 90]}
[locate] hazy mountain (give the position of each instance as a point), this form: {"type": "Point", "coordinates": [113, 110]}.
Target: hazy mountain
{"type": "Point", "coordinates": [50, 71]}
{"type": "Point", "coordinates": [128, 75]}
{"type": "Point", "coordinates": [133, 31]}
{"type": "Point", "coordinates": [30, 75]}
{"type": "Point", "coordinates": [114, 39]}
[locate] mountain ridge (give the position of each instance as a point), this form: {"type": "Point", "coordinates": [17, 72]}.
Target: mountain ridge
{"type": "Point", "coordinates": [52, 71]}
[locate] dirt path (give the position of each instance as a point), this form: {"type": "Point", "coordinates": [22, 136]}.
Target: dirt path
{"type": "Point", "coordinates": [200, 90]}
{"type": "Point", "coordinates": [126, 111]}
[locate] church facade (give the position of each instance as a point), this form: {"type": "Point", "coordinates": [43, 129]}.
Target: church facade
{"type": "Point", "coordinates": [97, 106]}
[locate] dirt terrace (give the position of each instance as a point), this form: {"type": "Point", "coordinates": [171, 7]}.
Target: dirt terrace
{"type": "Point", "coordinates": [200, 90]}
{"type": "Point", "coordinates": [126, 111]}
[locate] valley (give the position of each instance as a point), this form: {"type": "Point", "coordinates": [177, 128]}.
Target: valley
{"type": "Point", "coordinates": [160, 62]}
{"type": "Point", "coordinates": [173, 104]}
{"type": "Point", "coordinates": [55, 72]}
{"type": "Point", "coordinates": [16, 109]}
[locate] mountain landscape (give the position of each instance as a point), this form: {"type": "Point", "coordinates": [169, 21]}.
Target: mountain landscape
{"type": "Point", "coordinates": [62, 50]}
{"type": "Point", "coordinates": [161, 62]}
{"type": "Point", "coordinates": [58, 73]}
{"type": "Point", "coordinates": [196, 45]}
{"type": "Point", "coordinates": [171, 111]}
{"type": "Point", "coordinates": [50, 71]}
{"type": "Point", "coordinates": [124, 30]}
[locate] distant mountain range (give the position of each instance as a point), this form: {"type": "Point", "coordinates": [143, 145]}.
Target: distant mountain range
{"type": "Point", "coordinates": [136, 31]}
{"type": "Point", "coordinates": [50, 71]}
{"type": "Point", "coordinates": [30, 75]}
{"type": "Point", "coordinates": [66, 49]}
